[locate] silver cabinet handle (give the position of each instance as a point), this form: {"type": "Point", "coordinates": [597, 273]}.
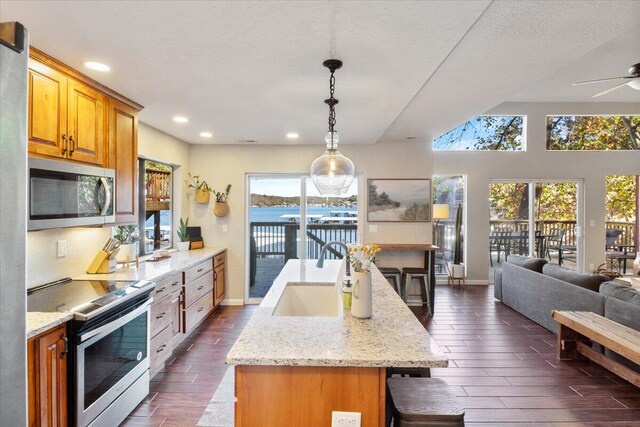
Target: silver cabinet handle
{"type": "Point", "coordinates": [161, 348]}
{"type": "Point", "coordinates": [160, 316]}
{"type": "Point", "coordinates": [66, 346]}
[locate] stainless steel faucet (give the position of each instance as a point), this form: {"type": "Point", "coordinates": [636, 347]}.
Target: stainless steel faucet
{"type": "Point", "coordinates": [320, 262]}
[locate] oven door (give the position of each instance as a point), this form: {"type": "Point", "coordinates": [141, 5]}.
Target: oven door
{"type": "Point", "coordinates": [109, 359]}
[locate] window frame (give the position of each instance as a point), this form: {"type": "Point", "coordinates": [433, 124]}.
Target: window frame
{"type": "Point", "coordinates": [546, 141]}
{"type": "Point", "coordinates": [523, 146]}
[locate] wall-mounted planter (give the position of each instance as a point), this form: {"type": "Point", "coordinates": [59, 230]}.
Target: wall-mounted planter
{"type": "Point", "coordinates": [202, 196]}
{"type": "Point", "coordinates": [221, 209]}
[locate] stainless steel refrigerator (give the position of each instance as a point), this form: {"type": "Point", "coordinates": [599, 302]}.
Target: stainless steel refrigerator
{"type": "Point", "coordinates": [14, 46]}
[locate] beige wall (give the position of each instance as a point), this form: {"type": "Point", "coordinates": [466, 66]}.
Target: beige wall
{"type": "Point", "coordinates": [536, 162]}
{"type": "Point", "coordinates": [220, 165]}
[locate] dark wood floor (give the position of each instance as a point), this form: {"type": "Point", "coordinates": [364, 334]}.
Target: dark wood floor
{"type": "Point", "coordinates": [502, 366]}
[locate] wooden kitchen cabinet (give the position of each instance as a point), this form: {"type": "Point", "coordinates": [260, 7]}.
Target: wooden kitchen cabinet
{"type": "Point", "coordinates": [123, 157]}
{"type": "Point", "coordinates": [176, 315]}
{"type": "Point", "coordinates": [47, 378]}
{"type": "Point", "coordinates": [47, 111]}
{"type": "Point", "coordinates": [75, 118]}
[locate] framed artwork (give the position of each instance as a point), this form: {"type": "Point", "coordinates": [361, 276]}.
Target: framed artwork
{"type": "Point", "coordinates": [399, 200]}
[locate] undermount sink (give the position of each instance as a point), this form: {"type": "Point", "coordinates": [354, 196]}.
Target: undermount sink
{"type": "Point", "coordinates": [309, 300]}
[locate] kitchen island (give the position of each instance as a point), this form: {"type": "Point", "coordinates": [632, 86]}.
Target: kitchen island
{"type": "Point", "coordinates": [300, 368]}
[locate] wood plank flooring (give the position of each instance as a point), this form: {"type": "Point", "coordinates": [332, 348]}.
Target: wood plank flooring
{"type": "Point", "coordinates": [503, 369]}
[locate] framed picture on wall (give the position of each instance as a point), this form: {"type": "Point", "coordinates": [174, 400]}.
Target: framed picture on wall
{"type": "Point", "coordinates": [399, 200]}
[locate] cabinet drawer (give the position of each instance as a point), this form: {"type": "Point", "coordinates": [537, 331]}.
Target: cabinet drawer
{"type": "Point", "coordinates": [160, 348]}
{"type": "Point", "coordinates": [219, 259]}
{"type": "Point", "coordinates": [198, 311]}
{"type": "Point", "coordinates": [196, 289]}
{"type": "Point", "coordinates": [198, 270]}
{"type": "Point", "coordinates": [160, 316]}
{"type": "Point", "coordinates": [166, 287]}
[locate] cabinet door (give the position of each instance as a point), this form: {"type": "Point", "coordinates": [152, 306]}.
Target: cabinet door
{"type": "Point", "coordinates": [219, 279]}
{"type": "Point", "coordinates": [48, 379]}
{"type": "Point", "coordinates": [85, 123]}
{"type": "Point", "coordinates": [47, 111]}
{"type": "Point", "coordinates": [123, 157]}
{"type": "Point", "coordinates": [176, 314]}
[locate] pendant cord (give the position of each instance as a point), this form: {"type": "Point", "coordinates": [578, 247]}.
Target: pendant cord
{"type": "Point", "coordinates": [332, 106]}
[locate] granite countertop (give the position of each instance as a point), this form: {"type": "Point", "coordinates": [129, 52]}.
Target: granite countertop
{"type": "Point", "coordinates": [160, 269]}
{"type": "Point", "coordinates": [38, 322]}
{"type": "Point", "coordinates": [393, 337]}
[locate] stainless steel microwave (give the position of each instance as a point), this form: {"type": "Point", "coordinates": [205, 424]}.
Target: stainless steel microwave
{"type": "Point", "coordinates": [64, 194]}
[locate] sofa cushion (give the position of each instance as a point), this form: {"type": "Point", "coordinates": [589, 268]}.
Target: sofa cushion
{"type": "Point", "coordinates": [622, 292]}
{"type": "Point", "coordinates": [533, 264]}
{"type": "Point", "coordinates": [589, 281]}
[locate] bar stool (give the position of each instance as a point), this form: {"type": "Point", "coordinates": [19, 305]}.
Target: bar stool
{"type": "Point", "coordinates": [392, 274]}
{"type": "Point", "coordinates": [423, 402]}
{"type": "Point", "coordinates": [422, 274]}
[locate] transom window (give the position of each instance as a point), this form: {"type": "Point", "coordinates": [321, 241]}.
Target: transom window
{"type": "Point", "coordinates": [597, 133]}
{"type": "Point", "coordinates": [484, 133]}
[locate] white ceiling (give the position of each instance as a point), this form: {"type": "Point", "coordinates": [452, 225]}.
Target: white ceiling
{"type": "Point", "coordinates": [253, 70]}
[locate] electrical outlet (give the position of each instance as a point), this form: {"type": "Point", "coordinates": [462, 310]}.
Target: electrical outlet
{"type": "Point", "coordinates": [373, 228]}
{"type": "Point", "coordinates": [592, 223]}
{"type": "Point", "coordinates": [61, 249]}
{"type": "Point", "coordinates": [225, 228]}
{"type": "Point", "coordinates": [592, 267]}
{"type": "Point", "coordinates": [345, 419]}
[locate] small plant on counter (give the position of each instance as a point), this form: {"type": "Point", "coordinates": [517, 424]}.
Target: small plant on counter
{"type": "Point", "coordinates": [126, 234]}
{"type": "Point", "coordinates": [182, 230]}
{"type": "Point", "coordinates": [222, 196]}
{"type": "Point", "coordinates": [362, 256]}
{"type": "Point", "coordinates": [195, 183]}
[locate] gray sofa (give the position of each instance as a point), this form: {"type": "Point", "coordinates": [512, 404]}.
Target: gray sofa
{"type": "Point", "coordinates": [534, 288]}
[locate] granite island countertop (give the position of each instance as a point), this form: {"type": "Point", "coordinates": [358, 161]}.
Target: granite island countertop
{"type": "Point", "coordinates": [392, 337]}
{"type": "Point", "coordinates": [39, 322]}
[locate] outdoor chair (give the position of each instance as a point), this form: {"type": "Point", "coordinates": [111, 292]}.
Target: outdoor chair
{"type": "Point", "coordinates": [499, 241]}
{"type": "Point", "coordinates": [554, 242]}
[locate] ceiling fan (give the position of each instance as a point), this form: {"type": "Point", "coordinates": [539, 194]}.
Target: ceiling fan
{"type": "Point", "coordinates": [632, 80]}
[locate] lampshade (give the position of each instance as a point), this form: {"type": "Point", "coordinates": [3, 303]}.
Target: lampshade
{"type": "Point", "coordinates": [332, 173]}
{"type": "Point", "coordinates": [440, 211]}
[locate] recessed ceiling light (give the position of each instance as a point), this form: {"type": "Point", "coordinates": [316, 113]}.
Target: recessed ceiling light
{"type": "Point", "coordinates": [206, 134]}
{"type": "Point", "coordinates": [180, 119]}
{"type": "Point", "coordinates": [292, 135]}
{"type": "Point", "coordinates": [97, 66]}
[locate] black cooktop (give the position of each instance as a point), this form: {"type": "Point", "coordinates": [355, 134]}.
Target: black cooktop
{"type": "Point", "coordinates": [83, 297]}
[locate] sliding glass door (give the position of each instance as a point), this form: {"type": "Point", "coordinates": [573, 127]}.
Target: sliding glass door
{"type": "Point", "coordinates": [288, 219]}
{"type": "Point", "coordinates": [541, 218]}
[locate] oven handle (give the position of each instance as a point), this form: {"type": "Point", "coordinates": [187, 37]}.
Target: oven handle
{"type": "Point", "coordinates": [102, 182]}
{"type": "Point", "coordinates": [109, 327]}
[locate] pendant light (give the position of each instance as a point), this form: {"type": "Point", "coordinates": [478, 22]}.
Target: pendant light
{"type": "Point", "coordinates": [332, 173]}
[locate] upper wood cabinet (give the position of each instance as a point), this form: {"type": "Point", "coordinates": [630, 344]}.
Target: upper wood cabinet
{"type": "Point", "coordinates": [47, 378]}
{"type": "Point", "coordinates": [123, 157]}
{"type": "Point", "coordinates": [47, 129]}
{"type": "Point", "coordinates": [74, 118]}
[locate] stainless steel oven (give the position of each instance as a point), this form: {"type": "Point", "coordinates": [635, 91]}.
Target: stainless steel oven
{"type": "Point", "coordinates": [65, 194]}
{"type": "Point", "coordinates": [112, 366]}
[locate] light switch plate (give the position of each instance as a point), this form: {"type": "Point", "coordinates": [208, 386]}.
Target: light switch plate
{"type": "Point", "coordinates": [225, 228]}
{"type": "Point", "coordinates": [592, 223]}
{"type": "Point", "coordinates": [373, 228]}
{"type": "Point", "coordinates": [345, 419]}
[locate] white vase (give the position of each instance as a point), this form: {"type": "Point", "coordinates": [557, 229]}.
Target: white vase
{"type": "Point", "coordinates": [635, 270]}
{"type": "Point", "coordinates": [183, 246]}
{"type": "Point", "coordinates": [362, 300]}
{"type": "Point", "coordinates": [127, 250]}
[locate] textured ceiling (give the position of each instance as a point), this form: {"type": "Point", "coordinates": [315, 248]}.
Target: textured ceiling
{"type": "Point", "coordinates": [252, 70]}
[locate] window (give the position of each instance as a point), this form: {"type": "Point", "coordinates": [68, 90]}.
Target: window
{"type": "Point", "coordinates": [155, 213]}
{"type": "Point", "coordinates": [621, 197]}
{"type": "Point", "coordinates": [289, 219]}
{"type": "Point", "coordinates": [600, 133]}
{"type": "Point", "coordinates": [447, 190]}
{"type": "Point", "coordinates": [484, 133]}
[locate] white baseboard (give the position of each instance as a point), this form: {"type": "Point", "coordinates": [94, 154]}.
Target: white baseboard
{"type": "Point", "coordinates": [227, 301]}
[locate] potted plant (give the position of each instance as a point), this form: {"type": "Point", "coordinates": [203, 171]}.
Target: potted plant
{"type": "Point", "coordinates": [128, 237]}
{"type": "Point", "coordinates": [183, 244]}
{"type": "Point", "coordinates": [201, 188]}
{"type": "Point", "coordinates": [221, 206]}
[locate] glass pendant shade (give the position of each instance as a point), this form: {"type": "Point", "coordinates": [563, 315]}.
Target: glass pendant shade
{"type": "Point", "coordinates": [332, 173]}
